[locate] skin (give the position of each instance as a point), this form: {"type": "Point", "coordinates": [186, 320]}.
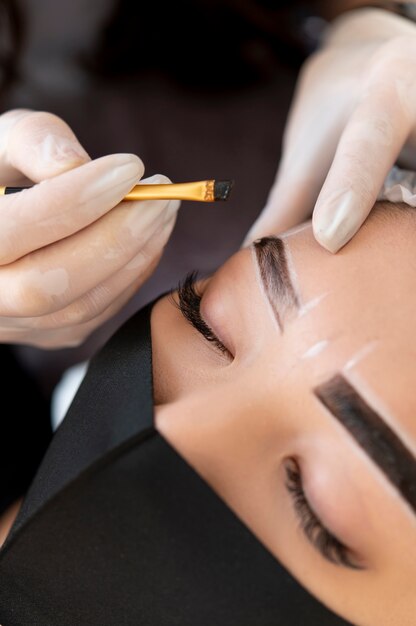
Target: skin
{"type": "Point", "coordinates": [237, 419]}
{"type": "Point", "coordinates": [7, 519]}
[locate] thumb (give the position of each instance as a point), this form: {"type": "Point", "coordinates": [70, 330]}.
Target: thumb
{"type": "Point", "coordinates": [37, 145]}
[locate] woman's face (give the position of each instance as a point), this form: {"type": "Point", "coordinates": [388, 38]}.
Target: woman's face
{"type": "Point", "coordinates": [303, 422]}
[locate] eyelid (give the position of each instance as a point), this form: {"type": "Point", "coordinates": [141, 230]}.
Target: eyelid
{"type": "Point", "coordinates": [207, 314]}
{"type": "Point", "coordinates": [322, 539]}
{"type": "Point", "coordinates": [189, 305]}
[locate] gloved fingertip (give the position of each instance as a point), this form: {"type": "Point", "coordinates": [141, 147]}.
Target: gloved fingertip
{"type": "Point", "coordinates": [334, 224]}
{"type": "Point", "coordinates": [249, 238]}
{"type": "Point", "coordinates": [174, 206]}
{"type": "Point", "coordinates": [328, 244]}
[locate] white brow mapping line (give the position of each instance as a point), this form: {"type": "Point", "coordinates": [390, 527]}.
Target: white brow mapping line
{"type": "Point", "coordinates": [294, 230]}
{"type": "Point", "coordinates": [360, 355]}
{"type": "Point", "coordinates": [311, 304]}
{"type": "Point", "coordinates": [316, 349]}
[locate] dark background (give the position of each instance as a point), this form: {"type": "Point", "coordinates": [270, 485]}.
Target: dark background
{"type": "Point", "coordinates": [197, 89]}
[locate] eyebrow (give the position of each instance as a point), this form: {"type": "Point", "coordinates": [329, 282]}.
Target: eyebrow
{"type": "Point", "coordinates": [275, 276]}
{"type": "Point", "coordinates": [372, 434]}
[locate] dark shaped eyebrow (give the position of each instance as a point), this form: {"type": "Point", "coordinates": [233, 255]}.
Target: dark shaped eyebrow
{"type": "Point", "coordinates": [372, 434]}
{"type": "Point", "coordinates": [275, 276]}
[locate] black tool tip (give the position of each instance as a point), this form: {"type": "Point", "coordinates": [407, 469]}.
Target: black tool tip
{"type": "Point", "coordinates": [222, 189]}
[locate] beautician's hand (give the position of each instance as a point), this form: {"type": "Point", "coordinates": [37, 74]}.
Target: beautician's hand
{"type": "Point", "coordinates": [68, 259]}
{"type": "Point", "coordinates": [353, 114]}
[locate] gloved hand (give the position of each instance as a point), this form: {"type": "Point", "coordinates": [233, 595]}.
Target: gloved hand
{"type": "Point", "coordinates": [69, 260]}
{"type": "Point", "coordinates": [353, 114]}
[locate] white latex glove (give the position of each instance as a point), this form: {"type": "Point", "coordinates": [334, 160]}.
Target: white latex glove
{"type": "Point", "coordinates": [353, 114]}
{"type": "Point", "coordinates": [68, 259]}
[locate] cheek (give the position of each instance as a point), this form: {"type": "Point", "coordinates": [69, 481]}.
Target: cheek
{"type": "Point", "coordinates": [236, 443]}
{"type": "Point", "coordinates": [235, 440]}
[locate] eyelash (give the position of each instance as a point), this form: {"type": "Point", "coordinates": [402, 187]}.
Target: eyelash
{"type": "Point", "coordinates": [329, 546]}
{"type": "Point", "coordinates": [190, 307]}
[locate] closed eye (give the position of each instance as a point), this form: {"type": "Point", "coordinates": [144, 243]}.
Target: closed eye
{"type": "Point", "coordinates": [331, 548]}
{"type": "Point", "coordinates": [190, 306]}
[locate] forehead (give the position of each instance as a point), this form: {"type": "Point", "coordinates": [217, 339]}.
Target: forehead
{"type": "Point", "coordinates": [362, 303]}
{"type": "Point", "coordinates": [370, 282]}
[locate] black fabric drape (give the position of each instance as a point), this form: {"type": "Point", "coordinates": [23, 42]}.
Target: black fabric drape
{"type": "Point", "coordinates": [118, 528]}
{"type": "Point", "coordinates": [25, 429]}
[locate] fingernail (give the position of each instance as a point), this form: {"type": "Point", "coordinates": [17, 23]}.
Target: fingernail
{"type": "Point", "coordinates": [156, 179]}
{"type": "Point", "coordinates": [55, 149]}
{"type": "Point", "coordinates": [336, 223]}
{"type": "Point", "coordinates": [148, 216]}
{"type": "Point", "coordinates": [120, 173]}
{"type": "Point", "coordinates": [173, 205]}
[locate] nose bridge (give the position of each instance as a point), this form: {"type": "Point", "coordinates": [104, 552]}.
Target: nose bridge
{"type": "Point", "coordinates": [276, 393]}
{"type": "Point", "coordinates": [265, 399]}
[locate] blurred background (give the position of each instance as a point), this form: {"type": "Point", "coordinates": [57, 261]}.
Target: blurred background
{"type": "Point", "coordinates": [197, 88]}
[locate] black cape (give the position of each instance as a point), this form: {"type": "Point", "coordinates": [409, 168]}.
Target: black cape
{"type": "Point", "coordinates": [117, 528]}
